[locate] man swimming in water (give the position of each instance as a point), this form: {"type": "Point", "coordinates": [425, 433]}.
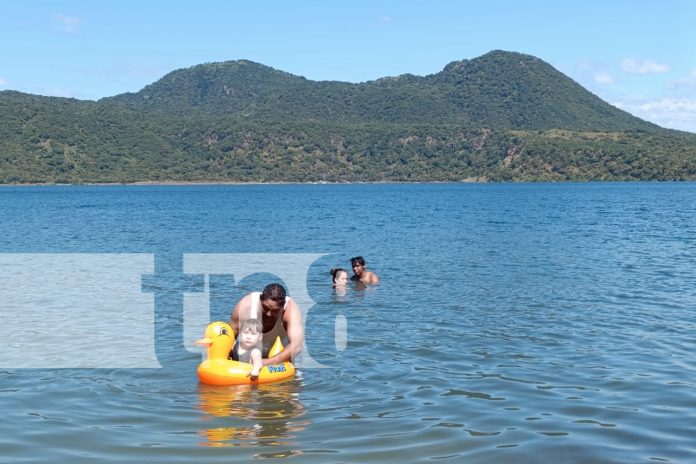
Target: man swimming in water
{"type": "Point", "coordinates": [280, 316]}
{"type": "Point", "coordinates": [360, 274]}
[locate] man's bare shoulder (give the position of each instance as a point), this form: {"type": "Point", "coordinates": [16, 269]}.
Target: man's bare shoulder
{"type": "Point", "coordinates": [292, 306]}
{"type": "Point", "coordinates": [245, 300]}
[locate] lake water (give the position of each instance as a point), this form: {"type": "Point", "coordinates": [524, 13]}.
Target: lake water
{"type": "Point", "coordinates": [514, 323]}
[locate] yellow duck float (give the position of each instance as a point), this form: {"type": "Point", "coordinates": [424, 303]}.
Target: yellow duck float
{"type": "Point", "coordinates": [218, 370]}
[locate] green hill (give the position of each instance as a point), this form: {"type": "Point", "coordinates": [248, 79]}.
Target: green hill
{"type": "Point", "coordinates": [499, 90]}
{"type": "Point", "coordinates": [514, 91]}
{"type": "Point", "coordinates": [501, 117]}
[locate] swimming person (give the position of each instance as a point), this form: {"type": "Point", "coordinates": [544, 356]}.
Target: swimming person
{"type": "Point", "coordinates": [280, 317]}
{"type": "Point", "coordinates": [361, 274]}
{"type": "Point", "coordinates": [340, 277]}
{"type": "Point", "coordinates": [247, 349]}
{"type": "Point", "coordinates": [340, 282]}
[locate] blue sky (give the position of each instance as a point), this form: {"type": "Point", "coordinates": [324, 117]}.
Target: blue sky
{"type": "Point", "coordinates": [637, 55]}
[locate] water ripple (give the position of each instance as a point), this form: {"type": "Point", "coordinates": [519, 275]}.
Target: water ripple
{"type": "Point", "coordinates": [514, 323]}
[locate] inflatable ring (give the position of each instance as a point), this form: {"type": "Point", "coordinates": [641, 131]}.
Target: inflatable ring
{"type": "Point", "coordinates": [218, 370]}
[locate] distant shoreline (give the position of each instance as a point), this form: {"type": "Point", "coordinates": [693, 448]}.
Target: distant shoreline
{"type": "Point", "coordinates": [171, 183]}
{"type": "Point", "coordinates": [221, 183]}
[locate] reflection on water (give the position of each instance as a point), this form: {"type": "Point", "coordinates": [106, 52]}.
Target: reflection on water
{"type": "Point", "coordinates": [356, 290]}
{"type": "Point", "coordinates": [251, 415]}
{"type": "Point", "coordinates": [359, 286]}
{"type": "Point", "coordinates": [341, 295]}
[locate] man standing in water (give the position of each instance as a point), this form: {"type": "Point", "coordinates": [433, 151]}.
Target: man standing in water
{"type": "Point", "coordinates": [280, 316]}
{"type": "Point", "coordinates": [361, 274]}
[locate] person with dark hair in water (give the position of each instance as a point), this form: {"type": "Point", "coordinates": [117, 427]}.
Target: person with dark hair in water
{"type": "Point", "coordinates": [340, 282]}
{"type": "Point", "coordinates": [340, 277]}
{"type": "Point", "coordinates": [280, 317]}
{"type": "Point", "coordinates": [360, 274]}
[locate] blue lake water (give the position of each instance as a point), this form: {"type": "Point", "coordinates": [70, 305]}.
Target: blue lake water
{"type": "Point", "coordinates": [514, 323]}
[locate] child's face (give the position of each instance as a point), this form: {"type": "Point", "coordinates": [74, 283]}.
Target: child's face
{"type": "Point", "coordinates": [250, 337]}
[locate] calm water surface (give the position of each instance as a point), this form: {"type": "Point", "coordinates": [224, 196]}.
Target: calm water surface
{"type": "Point", "coordinates": [515, 323]}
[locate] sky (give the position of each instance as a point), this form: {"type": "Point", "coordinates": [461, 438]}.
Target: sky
{"type": "Point", "coordinates": [638, 55]}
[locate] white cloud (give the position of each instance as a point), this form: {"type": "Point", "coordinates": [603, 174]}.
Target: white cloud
{"type": "Point", "coordinates": [687, 84]}
{"type": "Point", "coordinates": [385, 19]}
{"type": "Point", "coordinates": [684, 87]}
{"type": "Point", "coordinates": [3, 83]}
{"type": "Point", "coordinates": [673, 113]}
{"type": "Point", "coordinates": [603, 78]}
{"type": "Point", "coordinates": [65, 23]}
{"type": "Point", "coordinates": [634, 66]}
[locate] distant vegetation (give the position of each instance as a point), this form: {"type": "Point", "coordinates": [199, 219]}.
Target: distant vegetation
{"type": "Point", "coordinates": [500, 117]}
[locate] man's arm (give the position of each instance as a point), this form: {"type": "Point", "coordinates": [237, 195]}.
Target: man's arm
{"type": "Point", "coordinates": [373, 278]}
{"type": "Point", "coordinates": [234, 317]}
{"type": "Point", "coordinates": [295, 329]}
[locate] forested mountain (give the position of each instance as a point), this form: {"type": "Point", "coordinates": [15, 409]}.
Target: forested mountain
{"type": "Point", "coordinates": [499, 90]}
{"type": "Point", "coordinates": [499, 117]}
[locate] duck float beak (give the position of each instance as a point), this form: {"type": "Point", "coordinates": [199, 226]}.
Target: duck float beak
{"type": "Point", "coordinates": [204, 342]}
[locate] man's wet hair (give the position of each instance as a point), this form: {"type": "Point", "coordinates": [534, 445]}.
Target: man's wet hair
{"type": "Point", "coordinates": [358, 259]}
{"type": "Point", "coordinates": [275, 292]}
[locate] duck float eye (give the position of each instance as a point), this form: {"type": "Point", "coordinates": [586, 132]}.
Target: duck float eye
{"type": "Point", "coordinates": [223, 331]}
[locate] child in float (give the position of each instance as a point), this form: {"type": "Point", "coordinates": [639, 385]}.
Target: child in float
{"type": "Point", "coordinates": [248, 346]}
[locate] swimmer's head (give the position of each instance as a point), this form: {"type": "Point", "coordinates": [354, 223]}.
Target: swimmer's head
{"type": "Point", "coordinates": [340, 276]}
{"type": "Point", "coordinates": [358, 265]}
{"type": "Point", "coordinates": [272, 299]}
{"type": "Point", "coordinates": [357, 260]}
